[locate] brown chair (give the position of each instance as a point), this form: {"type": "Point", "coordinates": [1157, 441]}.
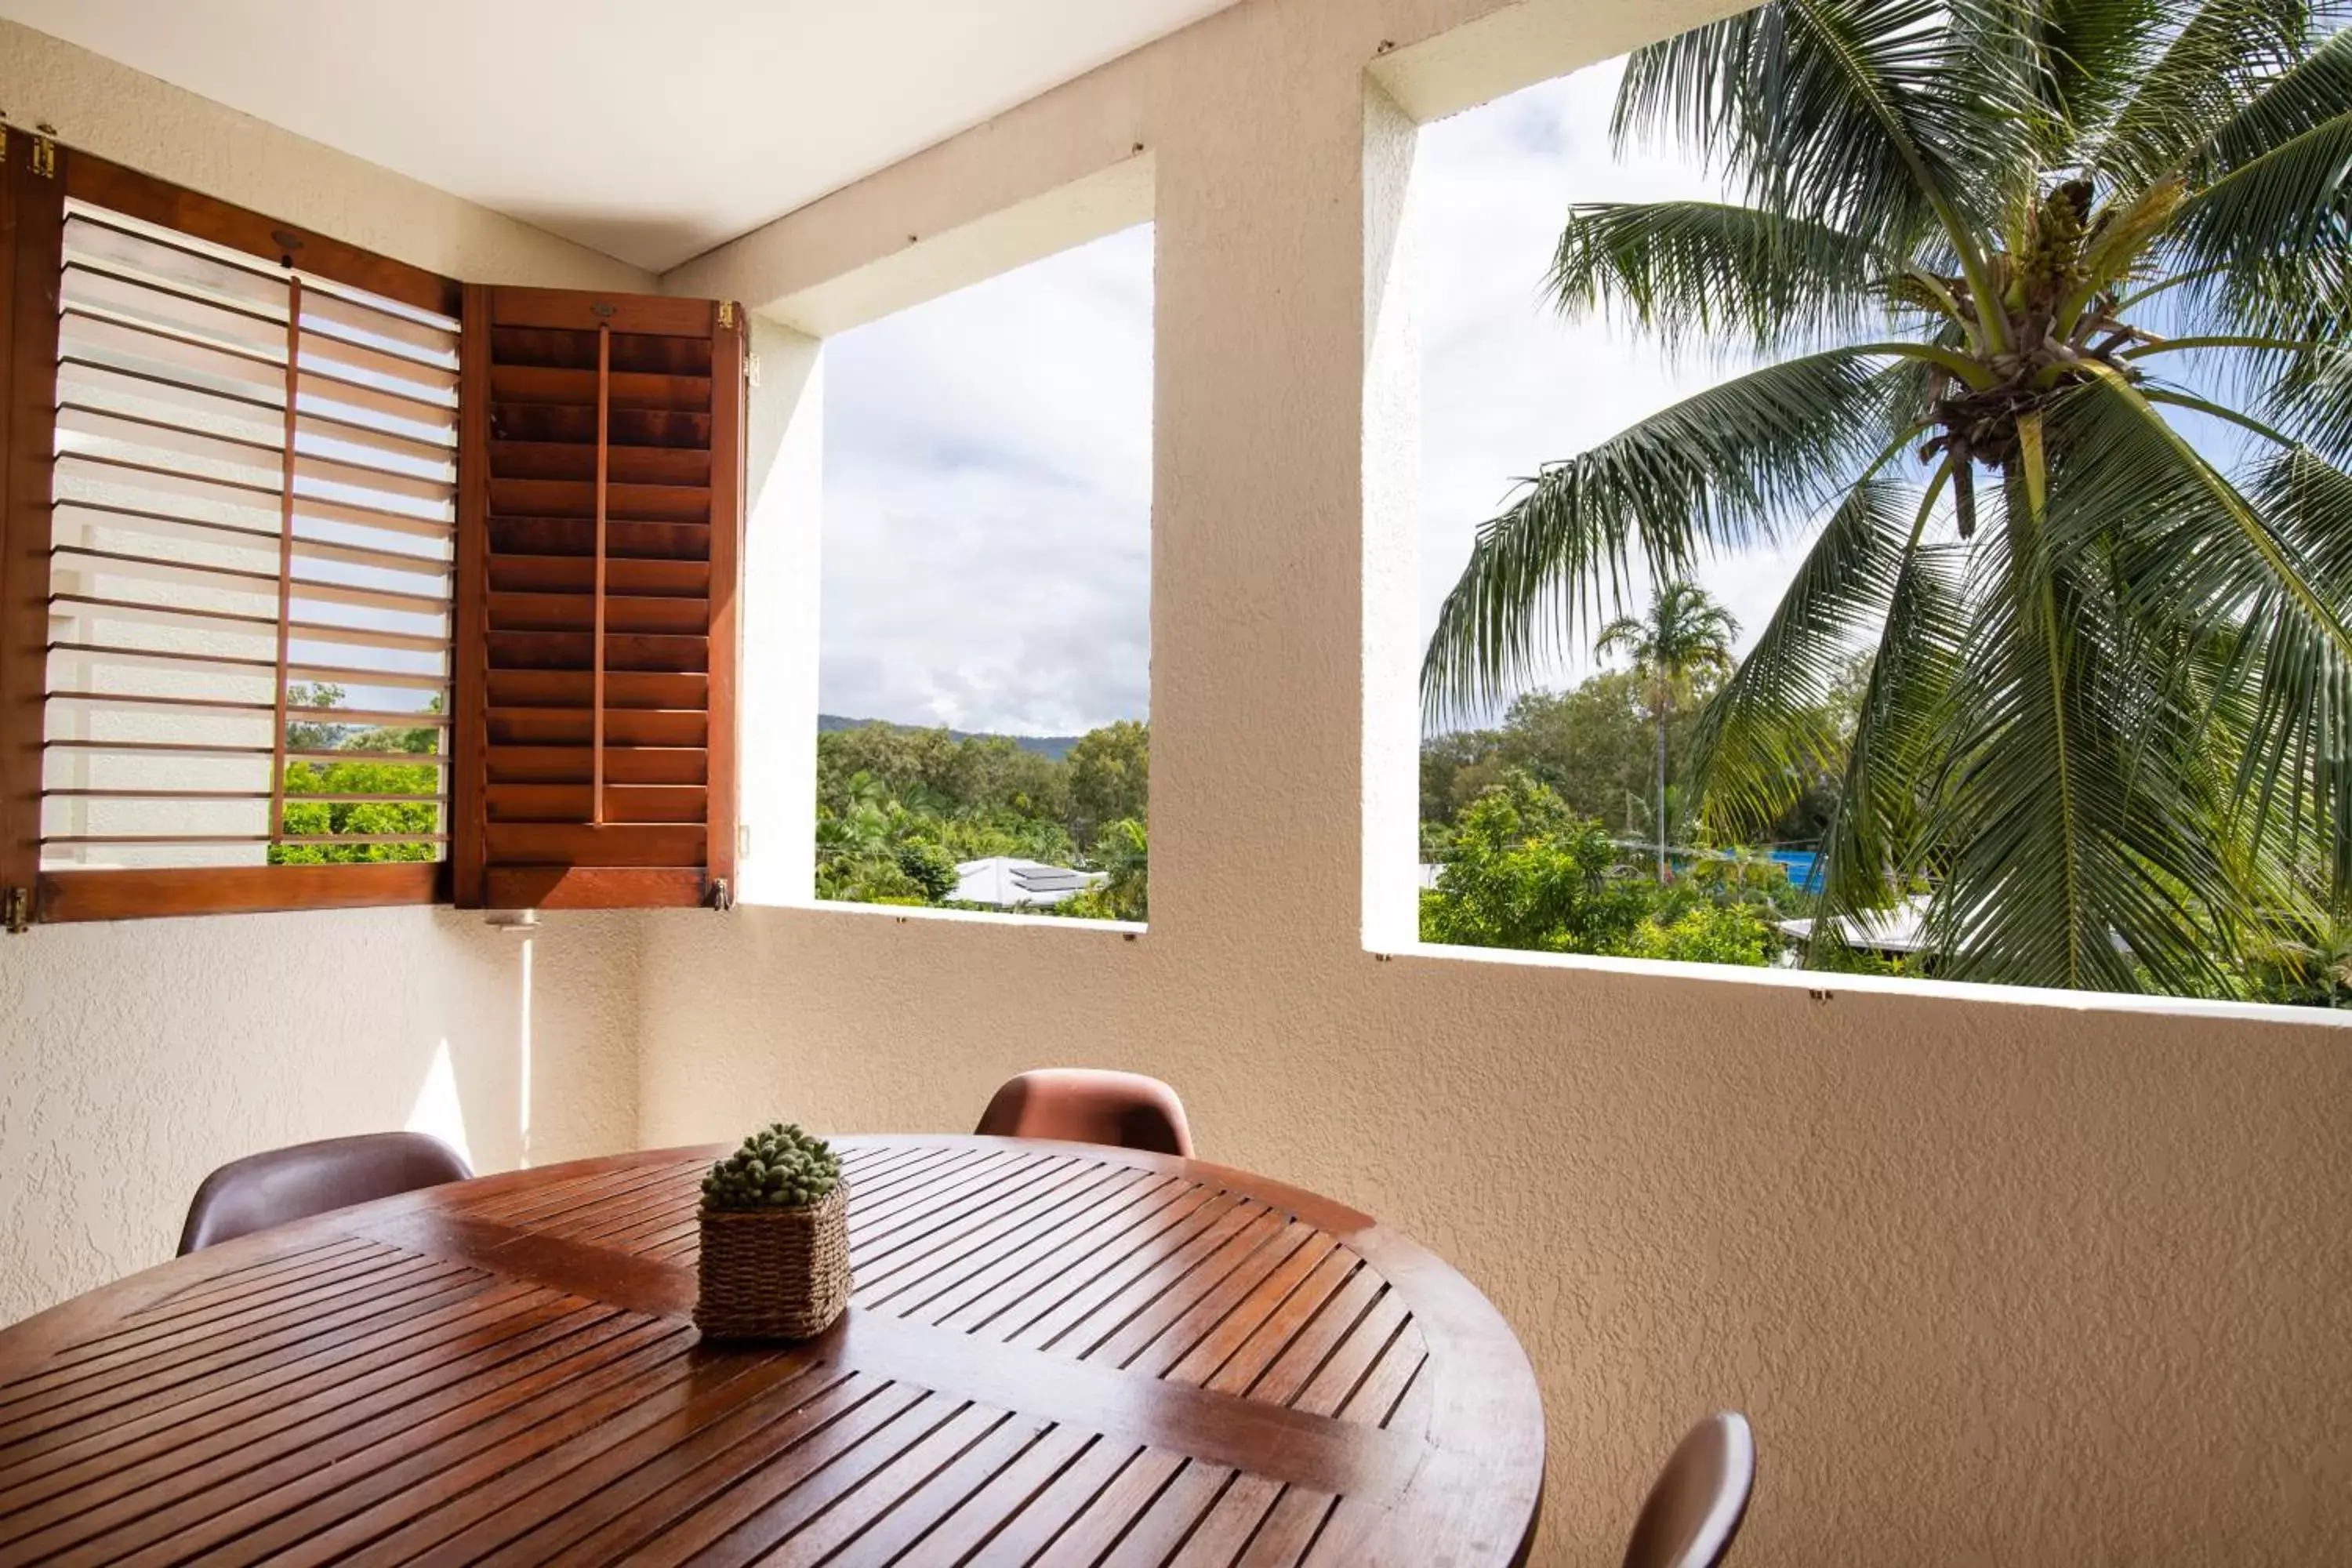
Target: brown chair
{"type": "Point", "coordinates": [1087, 1106]}
{"type": "Point", "coordinates": [278, 1186]}
{"type": "Point", "coordinates": [1701, 1496]}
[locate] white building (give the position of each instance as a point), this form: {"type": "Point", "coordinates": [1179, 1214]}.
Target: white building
{"type": "Point", "coordinates": [1008, 882]}
{"type": "Point", "coordinates": [1897, 932]}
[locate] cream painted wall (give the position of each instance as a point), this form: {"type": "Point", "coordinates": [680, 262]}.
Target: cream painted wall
{"type": "Point", "coordinates": [133, 1057]}
{"type": "Point", "coordinates": [140, 1055]}
{"type": "Point", "coordinates": [2001, 1279]}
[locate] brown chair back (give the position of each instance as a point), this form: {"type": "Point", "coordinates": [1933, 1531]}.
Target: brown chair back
{"type": "Point", "coordinates": [1088, 1106]}
{"type": "Point", "coordinates": [1694, 1508]}
{"type": "Point", "coordinates": [281, 1185]}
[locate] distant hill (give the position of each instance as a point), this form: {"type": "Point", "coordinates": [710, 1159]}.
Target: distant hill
{"type": "Point", "coordinates": [1054, 746]}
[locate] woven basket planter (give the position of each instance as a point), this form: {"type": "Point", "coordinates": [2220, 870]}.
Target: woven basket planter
{"type": "Point", "coordinates": [774, 1274]}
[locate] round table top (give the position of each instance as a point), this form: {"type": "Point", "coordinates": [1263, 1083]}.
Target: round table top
{"type": "Point", "coordinates": [1056, 1352]}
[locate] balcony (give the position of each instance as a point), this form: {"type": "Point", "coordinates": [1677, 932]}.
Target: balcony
{"type": "Point", "coordinates": [1999, 1274]}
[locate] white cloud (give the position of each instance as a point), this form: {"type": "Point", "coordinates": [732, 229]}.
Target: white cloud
{"type": "Point", "coordinates": [988, 501]}
{"type": "Point", "coordinates": [1505, 385]}
{"type": "Point", "coordinates": [988, 457]}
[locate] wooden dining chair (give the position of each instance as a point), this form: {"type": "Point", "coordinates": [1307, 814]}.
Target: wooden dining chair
{"type": "Point", "coordinates": [1086, 1105]}
{"type": "Point", "coordinates": [277, 1186]}
{"type": "Point", "coordinates": [1695, 1510]}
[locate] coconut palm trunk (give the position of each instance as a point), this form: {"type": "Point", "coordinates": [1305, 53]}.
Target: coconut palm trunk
{"type": "Point", "coordinates": [1665, 707]}
{"type": "Point", "coordinates": [1685, 634]}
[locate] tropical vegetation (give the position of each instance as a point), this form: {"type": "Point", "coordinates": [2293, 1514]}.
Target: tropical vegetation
{"type": "Point", "coordinates": [365, 795]}
{"type": "Point", "coordinates": [1684, 635]}
{"type": "Point", "coordinates": [2046, 305]}
{"type": "Point", "coordinates": [899, 808]}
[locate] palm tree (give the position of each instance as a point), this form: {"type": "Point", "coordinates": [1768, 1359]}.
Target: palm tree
{"type": "Point", "coordinates": [2053, 302]}
{"type": "Point", "coordinates": [1686, 634]}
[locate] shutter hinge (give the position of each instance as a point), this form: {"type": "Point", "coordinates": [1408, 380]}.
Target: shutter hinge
{"type": "Point", "coordinates": [45, 151]}
{"type": "Point", "coordinates": [719, 896]}
{"type": "Point", "coordinates": [726, 313]}
{"type": "Point", "coordinates": [744, 841]}
{"type": "Point", "coordinates": [4, 143]}
{"type": "Point", "coordinates": [751, 370]}
{"type": "Point", "coordinates": [16, 910]}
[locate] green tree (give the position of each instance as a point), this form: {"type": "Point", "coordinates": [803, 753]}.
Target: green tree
{"type": "Point", "coordinates": [1685, 633]}
{"type": "Point", "coordinates": [361, 816]}
{"type": "Point", "coordinates": [363, 797]}
{"type": "Point", "coordinates": [1992, 253]}
{"type": "Point", "coordinates": [1704, 933]}
{"type": "Point", "coordinates": [929, 868]}
{"type": "Point", "coordinates": [1110, 778]}
{"type": "Point", "coordinates": [1123, 850]}
{"type": "Point", "coordinates": [1525, 872]}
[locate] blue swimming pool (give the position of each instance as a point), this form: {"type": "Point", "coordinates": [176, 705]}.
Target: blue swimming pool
{"type": "Point", "coordinates": [1804, 868]}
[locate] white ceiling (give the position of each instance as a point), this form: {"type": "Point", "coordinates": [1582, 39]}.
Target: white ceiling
{"type": "Point", "coordinates": [651, 129]}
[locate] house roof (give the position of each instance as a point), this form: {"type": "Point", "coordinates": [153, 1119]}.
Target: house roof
{"type": "Point", "coordinates": [1901, 930]}
{"type": "Point", "coordinates": [1009, 882]}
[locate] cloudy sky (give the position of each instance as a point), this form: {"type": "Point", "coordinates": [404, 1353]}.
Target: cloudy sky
{"type": "Point", "coordinates": [988, 455]}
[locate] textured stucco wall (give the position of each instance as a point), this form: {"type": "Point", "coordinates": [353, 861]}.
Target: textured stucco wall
{"type": "Point", "coordinates": [140, 1055]}
{"type": "Point", "coordinates": [134, 1057]}
{"type": "Point", "coordinates": [2002, 1280]}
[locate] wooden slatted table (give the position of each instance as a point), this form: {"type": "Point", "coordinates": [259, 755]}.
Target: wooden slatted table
{"type": "Point", "coordinates": [1057, 1354]}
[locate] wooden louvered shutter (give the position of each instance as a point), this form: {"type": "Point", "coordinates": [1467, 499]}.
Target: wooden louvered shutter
{"type": "Point", "coordinates": [224, 595]}
{"type": "Point", "coordinates": [600, 531]}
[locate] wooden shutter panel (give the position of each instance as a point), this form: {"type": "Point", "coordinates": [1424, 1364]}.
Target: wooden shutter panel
{"type": "Point", "coordinates": [600, 472]}
{"type": "Point", "coordinates": [225, 579]}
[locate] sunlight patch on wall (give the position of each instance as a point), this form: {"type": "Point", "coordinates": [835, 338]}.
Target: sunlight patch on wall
{"type": "Point", "coordinates": [438, 1111]}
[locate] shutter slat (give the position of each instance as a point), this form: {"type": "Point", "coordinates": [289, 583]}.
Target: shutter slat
{"type": "Point", "coordinates": [158, 252]}
{"type": "Point", "coordinates": [102, 652]}
{"type": "Point", "coordinates": [116, 562]}
{"type": "Point", "coordinates": [438, 343]}
{"type": "Point", "coordinates": [577, 389]}
{"type": "Point", "coordinates": [577, 537]}
{"type": "Point", "coordinates": [576, 574]}
{"type": "Point", "coordinates": [604, 482]}
{"type": "Point", "coordinates": [88, 514]}
{"type": "Point", "coordinates": [232, 524]}
{"type": "Point", "coordinates": [622, 764]}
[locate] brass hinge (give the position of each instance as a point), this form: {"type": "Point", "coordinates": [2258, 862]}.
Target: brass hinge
{"type": "Point", "coordinates": [16, 910]}
{"type": "Point", "coordinates": [45, 152]}
{"type": "Point", "coordinates": [4, 143]}
{"type": "Point", "coordinates": [719, 897]}
{"type": "Point", "coordinates": [726, 313]}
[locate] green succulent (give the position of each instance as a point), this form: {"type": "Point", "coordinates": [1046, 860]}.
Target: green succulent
{"type": "Point", "coordinates": [778, 1166]}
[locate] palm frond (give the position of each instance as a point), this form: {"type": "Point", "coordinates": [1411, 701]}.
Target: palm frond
{"type": "Point", "coordinates": [2307, 94]}
{"type": "Point", "coordinates": [1769, 731]}
{"type": "Point", "coordinates": [2313, 400]}
{"type": "Point", "coordinates": [2264, 220]}
{"type": "Point", "coordinates": [1865, 114]}
{"type": "Point", "coordinates": [2195, 559]}
{"type": "Point", "coordinates": [2195, 83]}
{"type": "Point", "coordinates": [2298, 734]}
{"type": "Point", "coordinates": [1721, 471]}
{"type": "Point", "coordinates": [2080, 59]}
{"type": "Point", "coordinates": [1687, 271]}
{"type": "Point", "coordinates": [1875, 846]}
{"type": "Point", "coordinates": [2069, 861]}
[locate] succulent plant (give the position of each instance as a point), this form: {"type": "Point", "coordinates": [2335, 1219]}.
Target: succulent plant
{"type": "Point", "coordinates": [780, 1166]}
